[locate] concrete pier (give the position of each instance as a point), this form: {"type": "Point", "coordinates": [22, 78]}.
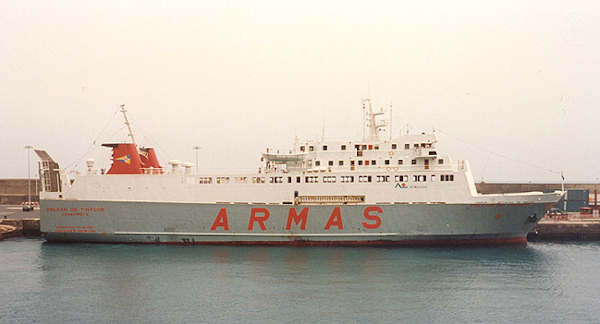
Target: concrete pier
{"type": "Point", "coordinates": [573, 229]}
{"type": "Point", "coordinates": [11, 227]}
{"type": "Point", "coordinates": [15, 222]}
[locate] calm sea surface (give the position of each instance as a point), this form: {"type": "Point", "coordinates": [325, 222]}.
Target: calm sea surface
{"type": "Point", "coordinates": [88, 283]}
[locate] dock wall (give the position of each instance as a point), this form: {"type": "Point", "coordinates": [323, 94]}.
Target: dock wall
{"type": "Point", "coordinates": [565, 231]}
{"type": "Point", "coordinates": [22, 227]}
{"type": "Point", "coordinates": [14, 191]}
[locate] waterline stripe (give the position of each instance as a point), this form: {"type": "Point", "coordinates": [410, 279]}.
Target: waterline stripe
{"type": "Point", "coordinates": [259, 234]}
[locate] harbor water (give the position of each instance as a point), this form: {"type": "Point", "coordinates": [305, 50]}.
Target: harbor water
{"type": "Point", "coordinates": [103, 283]}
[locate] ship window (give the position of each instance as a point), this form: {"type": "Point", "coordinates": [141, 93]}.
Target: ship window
{"type": "Point", "coordinates": [289, 179]}
{"type": "Point", "coordinates": [302, 148]}
{"type": "Point", "coordinates": [367, 162]}
{"type": "Point", "coordinates": [400, 162]}
{"type": "Point", "coordinates": [346, 179]}
{"type": "Point", "coordinates": [360, 162]}
{"type": "Point", "coordinates": [364, 179]}
{"type": "Point", "coordinates": [370, 146]}
{"type": "Point", "coordinates": [416, 145]}
{"type": "Point", "coordinates": [376, 147]}
{"type": "Point", "coordinates": [385, 178]}
{"type": "Point", "coordinates": [317, 163]}
{"type": "Point", "coordinates": [324, 147]}
{"type": "Point", "coordinates": [447, 177]}
{"type": "Point", "coordinates": [311, 148]}
{"type": "Point", "coordinates": [364, 147]}
{"type": "Point", "coordinates": [312, 179]}
{"type": "Point", "coordinates": [373, 162]}
{"type": "Point", "coordinates": [276, 180]}
{"type": "Point", "coordinates": [387, 162]}
{"type": "Point", "coordinates": [394, 146]}
{"type": "Point", "coordinates": [419, 178]}
{"type": "Point", "coordinates": [423, 145]}
{"type": "Point", "coordinates": [441, 161]}
{"type": "Point", "coordinates": [222, 179]}
{"type": "Point", "coordinates": [343, 147]}
{"type": "Point", "coordinates": [359, 153]}
{"type": "Point", "coordinates": [413, 162]}
{"type": "Point", "coordinates": [433, 177]}
{"type": "Point", "coordinates": [331, 163]}
{"type": "Point", "coordinates": [406, 146]}
{"type": "Point", "coordinates": [205, 180]}
{"type": "Point", "coordinates": [341, 163]}
{"type": "Point", "coordinates": [258, 179]}
{"type": "Point", "coordinates": [298, 179]}
{"type": "Point", "coordinates": [401, 178]}
{"type": "Point", "coordinates": [329, 179]}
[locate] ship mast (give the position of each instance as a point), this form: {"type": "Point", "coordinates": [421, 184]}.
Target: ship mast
{"type": "Point", "coordinates": [372, 122]}
{"type": "Point", "coordinates": [128, 125]}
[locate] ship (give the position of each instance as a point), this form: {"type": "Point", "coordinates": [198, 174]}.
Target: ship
{"type": "Point", "coordinates": [369, 192]}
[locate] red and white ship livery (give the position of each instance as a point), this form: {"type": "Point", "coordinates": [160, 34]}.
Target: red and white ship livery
{"type": "Point", "coordinates": [371, 192]}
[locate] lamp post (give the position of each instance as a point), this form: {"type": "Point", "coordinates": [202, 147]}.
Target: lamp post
{"type": "Point", "coordinates": [28, 206]}
{"type": "Point", "coordinates": [197, 148]}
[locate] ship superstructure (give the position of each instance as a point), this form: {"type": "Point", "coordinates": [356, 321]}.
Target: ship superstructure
{"type": "Point", "coordinates": [368, 192]}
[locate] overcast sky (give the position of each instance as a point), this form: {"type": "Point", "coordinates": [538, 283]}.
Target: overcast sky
{"type": "Point", "coordinates": [513, 86]}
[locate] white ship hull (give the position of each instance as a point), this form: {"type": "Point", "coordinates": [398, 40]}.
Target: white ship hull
{"type": "Point", "coordinates": [192, 223]}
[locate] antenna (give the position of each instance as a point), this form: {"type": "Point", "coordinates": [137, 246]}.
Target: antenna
{"type": "Point", "coordinates": [368, 81]}
{"type": "Point", "coordinates": [128, 125]}
{"type": "Point", "coordinates": [391, 120]}
{"type": "Point", "coordinates": [372, 124]}
{"type": "Point", "coordinates": [323, 134]}
{"type": "Point", "coordinates": [364, 118]}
